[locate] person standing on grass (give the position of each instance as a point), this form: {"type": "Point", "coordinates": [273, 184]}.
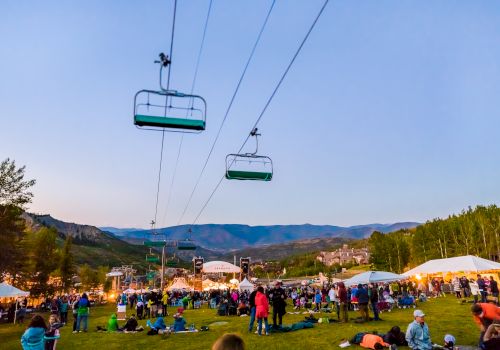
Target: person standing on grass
{"type": "Point", "coordinates": [253, 309]}
{"type": "Point", "coordinates": [343, 302]}
{"type": "Point", "coordinates": [494, 289]}
{"type": "Point", "coordinates": [164, 301]}
{"type": "Point", "coordinates": [32, 338]}
{"type": "Point", "coordinates": [417, 334]}
{"type": "Point", "coordinates": [279, 304]}
{"type": "Point", "coordinates": [74, 309]}
{"type": "Point", "coordinates": [362, 295]}
{"type": "Point", "coordinates": [83, 313]}
{"type": "Point", "coordinates": [482, 288]}
{"type": "Point", "coordinates": [262, 309]}
{"type": "Point", "coordinates": [63, 310]}
{"type": "Point", "coordinates": [373, 293]}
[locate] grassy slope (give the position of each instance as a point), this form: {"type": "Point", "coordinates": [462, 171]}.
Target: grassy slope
{"type": "Point", "coordinates": [443, 316]}
{"type": "Point", "coordinates": [109, 251]}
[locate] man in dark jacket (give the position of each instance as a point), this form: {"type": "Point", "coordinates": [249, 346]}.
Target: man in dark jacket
{"type": "Point", "coordinates": [251, 301]}
{"type": "Point", "coordinates": [374, 301]}
{"type": "Point", "coordinates": [362, 295]}
{"type": "Point", "coordinates": [279, 304]}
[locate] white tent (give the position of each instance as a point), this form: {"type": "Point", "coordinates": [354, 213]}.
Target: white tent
{"type": "Point", "coordinates": [8, 291]}
{"type": "Point", "coordinates": [245, 285]}
{"type": "Point", "coordinates": [373, 277]}
{"type": "Point", "coordinates": [179, 284]}
{"type": "Point", "coordinates": [467, 263]}
{"type": "Point", "coordinates": [220, 266]}
{"type": "Point", "coordinates": [129, 291]}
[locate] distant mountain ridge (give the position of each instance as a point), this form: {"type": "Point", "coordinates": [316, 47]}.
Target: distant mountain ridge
{"type": "Point", "coordinates": [226, 237]}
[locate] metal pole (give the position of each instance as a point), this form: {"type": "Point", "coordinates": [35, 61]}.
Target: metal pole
{"type": "Point", "coordinates": [162, 266]}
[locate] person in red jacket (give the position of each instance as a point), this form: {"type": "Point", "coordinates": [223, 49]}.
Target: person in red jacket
{"type": "Point", "coordinates": [484, 315]}
{"type": "Point", "coordinates": [262, 309]}
{"type": "Point", "coordinates": [342, 296]}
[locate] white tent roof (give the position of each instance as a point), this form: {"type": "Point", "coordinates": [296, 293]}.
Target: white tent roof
{"type": "Point", "coordinates": [245, 285]}
{"type": "Point", "coordinates": [456, 264]}
{"type": "Point", "coordinates": [179, 284]}
{"type": "Point", "coordinates": [220, 266]}
{"type": "Point", "coordinates": [373, 277]}
{"type": "Point", "coordinates": [8, 291]}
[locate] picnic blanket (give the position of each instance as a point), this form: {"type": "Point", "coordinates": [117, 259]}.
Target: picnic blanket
{"type": "Point", "coordinates": [290, 328]}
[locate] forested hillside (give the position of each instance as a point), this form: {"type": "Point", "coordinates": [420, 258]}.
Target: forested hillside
{"type": "Point", "coordinates": [475, 231]}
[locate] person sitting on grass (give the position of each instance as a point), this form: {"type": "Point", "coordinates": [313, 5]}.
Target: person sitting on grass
{"type": "Point", "coordinates": [396, 337]}
{"type": "Point", "coordinates": [417, 334]}
{"type": "Point", "coordinates": [32, 339]}
{"type": "Point", "coordinates": [113, 324]}
{"type": "Point", "coordinates": [179, 323]}
{"type": "Point", "coordinates": [157, 326]}
{"type": "Point", "coordinates": [229, 342]}
{"type": "Point", "coordinates": [131, 325]}
{"type": "Point", "coordinates": [492, 336]}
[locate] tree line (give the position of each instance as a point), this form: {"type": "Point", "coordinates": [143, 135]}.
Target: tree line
{"type": "Point", "coordinates": [38, 261]}
{"type": "Point", "coordinates": [475, 231]}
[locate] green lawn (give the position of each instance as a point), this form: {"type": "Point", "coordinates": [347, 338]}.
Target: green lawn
{"type": "Point", "coordinates": [444, 315]}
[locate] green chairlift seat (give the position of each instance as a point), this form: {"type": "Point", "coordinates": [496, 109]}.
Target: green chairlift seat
{"type": "Point", "coordinates": [154, 243]}
{"type": "Point", "coordinates": [248, 175]}
{"type": "Point", "coordinates": [167, 122]}
{"type": "Point", "coordinates": [152, 259]}
{"type": "Point", "coordinates": [186, 245]}
{"type": "Point", "coordinates": [170, 110]}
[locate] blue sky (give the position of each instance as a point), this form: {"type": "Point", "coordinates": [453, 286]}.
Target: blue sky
{"type": "Point", "coordinates": [390, 113]}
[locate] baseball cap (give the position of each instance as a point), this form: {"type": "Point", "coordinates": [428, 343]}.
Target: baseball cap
{"type": "Point", "coordinates": [418, 313]}
{"type": "Point", "coordinates": [448, 338]}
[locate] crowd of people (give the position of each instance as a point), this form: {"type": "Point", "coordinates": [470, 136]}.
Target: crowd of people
{"type": "Point", "coordinates": [264, 301]}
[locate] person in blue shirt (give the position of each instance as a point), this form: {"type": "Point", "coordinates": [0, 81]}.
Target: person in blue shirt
{"type": "Point", "coordinates": [317, 299]}
{"type": "Point", "coordinates": [179, 323]}
{"type": "Point", "coordinates": [32, 338]}
{"type": "Point", "coordinates": [417, 334]}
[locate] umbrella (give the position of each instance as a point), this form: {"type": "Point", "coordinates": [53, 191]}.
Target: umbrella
{"type": "Point", "coordinates": [373, 277]}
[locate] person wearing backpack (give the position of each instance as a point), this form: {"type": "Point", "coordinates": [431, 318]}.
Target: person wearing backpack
{"type": "Point", "coordinates": [83, 313]}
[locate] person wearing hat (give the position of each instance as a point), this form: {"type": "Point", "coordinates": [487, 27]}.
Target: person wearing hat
{"type": "Point", "coordinates": [279, 304]}
{"type": "Point", "coordinates": [417, 334]}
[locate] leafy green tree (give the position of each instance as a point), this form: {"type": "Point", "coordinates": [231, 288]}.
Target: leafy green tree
{"type": "Point", "coordinates": [43, 260]}
{"type": "Point", "coordinates": [14, 194]}
{"type": "Point", "coordinates": [66, 264]}
{"type": "Point", "coordinates": [14, 190]}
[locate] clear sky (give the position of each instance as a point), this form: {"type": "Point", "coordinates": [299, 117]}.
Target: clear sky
{"type": "Point", "coordinates": [390, 113]}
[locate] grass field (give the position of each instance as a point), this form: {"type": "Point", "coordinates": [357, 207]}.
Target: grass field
{"type": "Point", "coordinates": [444, 315]}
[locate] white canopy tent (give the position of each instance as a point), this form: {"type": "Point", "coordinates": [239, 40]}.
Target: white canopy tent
{"type": "Point", "coordinates": [220, 267]}
{"type": "Point", "coordinates": [245, 285]}
{"type": "Point", "coordinates": [8, 291]}
{"type": "Point", "coordinates": [179, 284]}
{"type": "Point", "coordinates": [373, 277]}
{"type": "Point", "coordinates": [467, 263]}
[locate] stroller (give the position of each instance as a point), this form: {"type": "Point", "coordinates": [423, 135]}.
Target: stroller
{"type": "Point", "coordinates": [386, 304]}
{"type": "Point", "coordinates": [407, 301]}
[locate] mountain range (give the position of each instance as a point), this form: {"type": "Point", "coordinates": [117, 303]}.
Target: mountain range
{"type": "Point", "coordinates": [116, 246]}
{"type": "Point", "coordinates": [228, 237]}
